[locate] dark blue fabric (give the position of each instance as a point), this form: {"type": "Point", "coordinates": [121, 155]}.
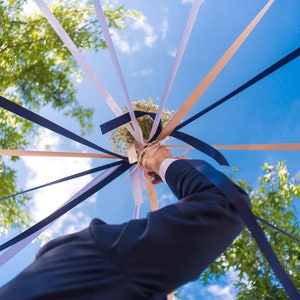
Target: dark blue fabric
{"type": "Point", "coordinates": [88, 172]}
{"type": "Point", "coordinates": [223, 184]}
{"type": "Point", "coordinates": [190, 140]}
{"type": "Point", "coordinates": [140, 259]}
{"type": "Point", "coordinates": [37, 119]}
{"type": "Point", "coordinates": [124, 119]}
{"type": "Point", "coordinates": [201, 146]}
{"type": "Point", "coordinates": [229, 190]}
{"type": "Point", "coordinates": [59, 212]}
{"type": "Point", "coordinates": [288, 58]}
{"type": "Point", "coordinates": [277, 229]}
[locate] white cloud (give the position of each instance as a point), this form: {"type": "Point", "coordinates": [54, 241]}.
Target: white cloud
{"type": "Point", "coordinates": [224, 292]}
{"type": "Point", "coordinates": [172, 52]}
{"type": "Point", "coordinates": [46, 139]}
{"type": "Point", "coordinates": [150, 35]}
{"type": "Point", "coordinates": [232, 275]}
{"type": "Point", "coordinates": [41, 170]}
{"type": "Point", "coordinates": [139, 34]}
{"type": "Point", "coordinates": [123, 43]}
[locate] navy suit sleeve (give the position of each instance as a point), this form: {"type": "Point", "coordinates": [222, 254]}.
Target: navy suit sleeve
{"type": "Point", "coordinates": [173, 245]}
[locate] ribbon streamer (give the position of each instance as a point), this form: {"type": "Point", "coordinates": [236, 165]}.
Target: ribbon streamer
{"type": "Point", "coordinates": [260, 147]}
{"type": "Point", "coordinates": [9, 152]}
{"type": "Point", "coordinates": [137, 133]}
{"type": "Point", "coordinates": [213, 73]}
{"type": "Point", "coordinates": [278, 229]}
{"type": "Point", "coordinates": [198, 144]}
{"type": "Point", "coordinates": [88, 172]}
{"type": "Point", "coordinates": [37, 119]}
{"type": "Point", "coordinates": [285, 60]}
{"type": "Point", "coordinates": [201, 146]}
{"type": "Point", "coordinates": [226, 186]}
{"type": "Point", "coordinates": [32, 232]}
{"type": "Point", "coordinates": [19, 244]}
{"type": "Point", "coordinates": [151, 193]}
{"type": "Point", "coordinates": [136, 185]}
{"type": "Point", "coordinates": [179, 54]}
{"type": "Point", "coordinates": [78, 57]}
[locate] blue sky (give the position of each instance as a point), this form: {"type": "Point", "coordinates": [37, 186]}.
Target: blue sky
{"type": "Point", "coordinates": [265, 113]}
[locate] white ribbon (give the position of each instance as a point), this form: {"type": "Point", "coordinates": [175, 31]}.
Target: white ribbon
{"type": "Point", "coordinates": [137, 189]}
{"type": "Point", "coordinates": [179, 54]}
{"type": "Point", "coordinates": [137, 130]}
{"type": "Point", "coordinates": [212, 74]}
{"type": "Point", "coordinates": [79, 57]}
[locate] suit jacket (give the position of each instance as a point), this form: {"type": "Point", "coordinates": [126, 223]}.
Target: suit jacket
{"type": "Point", "coordinates": [140, 259]}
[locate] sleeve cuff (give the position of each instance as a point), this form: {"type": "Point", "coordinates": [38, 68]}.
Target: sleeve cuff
{"type": "Point", "coordinates": [164, 166]}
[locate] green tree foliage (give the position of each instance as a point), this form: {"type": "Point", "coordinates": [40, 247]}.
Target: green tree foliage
{"type": "Point", "coordinates": [36, 70]}
{"type": "Point", "coordinates": [273, 200]}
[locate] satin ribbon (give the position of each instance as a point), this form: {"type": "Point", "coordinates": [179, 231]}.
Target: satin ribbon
{"type": "Point", "coordinates": [123, 119]}
{"type": "Point", "coordinates": [201, 146]}
{"type": "Point", "coordinates": [261, 147]}
{"type": "Point", "coordinates": [31, 233]}
{"type": "Point", "coordinates": [185, 109]}
{"type": "Point", "coordinates": [196, 143]}
{"type": "Point", "coordinates": [179, 54]}
{"type": "Point", "coordinates": [279, 64]}
{"type": "Point", "coordinates": [9, 152]}
{"type": "Point", "coordinates": [137, 133]}
{"type": "Point", "coordinates": [67, 178]}
{"type": "Point", "coordinates": [136, 184]}
{"type": "Point", "coordinates": [151, 192]}
{"type": "Point", "coordinates": [277, 229]}
{"type": "Point", "coordinates": [37, 119]}
{"type": "Point", "coordinates": [213, 73]}
{"type": "Point", "coordinates": [226, 186]}
{"type": "Point", "coordinates": [78, 57]}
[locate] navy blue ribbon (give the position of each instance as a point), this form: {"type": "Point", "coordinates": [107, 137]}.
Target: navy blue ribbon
{"type": "Point", "coordinates": [201, 146]}
{"type": "Point", "coordinates": [64, 209]}
{"type": "Point", "coordinates": [35, 118]}
{"type": "Point", "coordinates": [77, 175]}
{"type": "Point", "coordinates": [226, 186]}
{"type": "Point", "coordinates": [217, 178]}
{"type": "Point", "coordinates": [196, 143]}
{"type": "Point", "coordinates": [288, 58]}
{"type": "Point", "coordinates": [124, 119]}
{"type": "Point", "coordinates": [277, 229]}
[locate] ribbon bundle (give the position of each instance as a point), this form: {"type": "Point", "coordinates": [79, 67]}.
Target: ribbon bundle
{"type": "Point", "coordinates": [113, 170]}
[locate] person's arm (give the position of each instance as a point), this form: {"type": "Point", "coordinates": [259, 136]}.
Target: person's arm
{"type": "Point", "coordinates": [174, 244]}
{"type": "Point", "coordinates": [182, 178]}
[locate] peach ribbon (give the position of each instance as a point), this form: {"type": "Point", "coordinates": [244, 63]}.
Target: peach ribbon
{"type": "Point", "coordinates": [213, 73]}
{"type": "Point", "coordinates": [288, 147]}
{"type": "Point", "coordinates": [259, 147]}
{"type": "Point", "coordinates": [8, 152]}
{"type": "Point", "coordinates": [262, 147]}
{"type": "Point", "coordinates": [151, 192]}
